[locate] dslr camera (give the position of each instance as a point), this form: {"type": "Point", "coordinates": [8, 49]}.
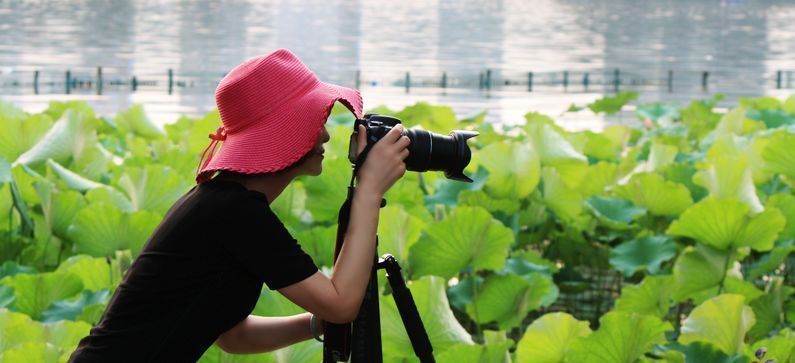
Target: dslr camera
{"type": "Point", "coordinates": [427, 151]}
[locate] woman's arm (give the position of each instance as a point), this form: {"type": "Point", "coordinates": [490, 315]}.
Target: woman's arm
{"type": "Point", "coordinates": [258, 334]}
{"type": "Point", "coordinates": [338, 299]}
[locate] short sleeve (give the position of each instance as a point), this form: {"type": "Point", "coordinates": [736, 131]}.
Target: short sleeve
{"type": "Point", "coordinates": [262, 245]}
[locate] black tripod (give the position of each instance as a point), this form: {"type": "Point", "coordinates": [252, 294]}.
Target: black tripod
{"type": "Point", "coordinates": [361, 340]}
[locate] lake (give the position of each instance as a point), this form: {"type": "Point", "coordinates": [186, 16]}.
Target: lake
{"type": "Point", "coordinates": [485, 50]}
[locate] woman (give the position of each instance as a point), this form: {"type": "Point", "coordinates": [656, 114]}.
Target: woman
{"type": "Point", "coordinates": [200, 274]}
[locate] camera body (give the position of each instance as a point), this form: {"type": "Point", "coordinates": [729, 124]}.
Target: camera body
{"type": "Point", "coordinates": [427, 151]}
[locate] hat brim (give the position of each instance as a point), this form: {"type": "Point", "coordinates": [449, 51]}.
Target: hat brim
{"type": "Point", "coordinates": [283, 136]}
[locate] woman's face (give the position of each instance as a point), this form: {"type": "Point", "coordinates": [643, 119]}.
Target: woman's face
{"type": "Point", "coordinates": [312, 163]}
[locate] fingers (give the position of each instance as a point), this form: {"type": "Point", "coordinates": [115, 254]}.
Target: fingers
{"type": "Point", "coordinates": [393, 134]}
{"type": "Point", "coordinates": [404, 154]}
{"type": "Point", "coordinates": [361, 139]}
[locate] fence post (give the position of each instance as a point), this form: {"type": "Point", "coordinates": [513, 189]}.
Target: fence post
{"type": "Point", "coordinates": [704, 80]}
{"type": "Point", "coordinates": [134, 83]}
{"type": "Point", "coordinates": [488, 79]}
{"type": "Point", "coordinates": [565, 80]}
{"type": "Point", "coordinates": [616, 79]}
{"type": "Point", "coordinates": [68, 82]}
{"type": "Point", "coordinates": [170, 81]}
{"type": "Point", "coordinates": [670, 80]}
{"type": "Point", "coordinates": [529, 81]}
{"type": "Point", "coordinates": [408, 82]}
{"type": "Point", "coordinates": [36, 82]}
{"type": "Point", "coordinates": [444, 82]}
{"type": "Point", "coordinates": [358, 81]}
{"type": "Point", "coordinates": [99, 80]}
{"type": "Point", "coordinates": [585, 81]}
{"type": "Point", "coordinates": [778, 79]}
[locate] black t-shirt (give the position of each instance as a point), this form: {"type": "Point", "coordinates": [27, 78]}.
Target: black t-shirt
{"type": "Point", "coordinates": [199, 274]}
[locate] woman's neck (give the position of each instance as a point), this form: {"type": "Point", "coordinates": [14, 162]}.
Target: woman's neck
{"type": "Point", "coordinates": [270, 184]}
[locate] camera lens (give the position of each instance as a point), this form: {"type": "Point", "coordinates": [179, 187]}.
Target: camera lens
{"type": "Point", "coordinates": [430, 151]}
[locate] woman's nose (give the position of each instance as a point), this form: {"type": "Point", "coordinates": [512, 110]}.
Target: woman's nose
{"type": "Point", "coordinates": [325, 135]}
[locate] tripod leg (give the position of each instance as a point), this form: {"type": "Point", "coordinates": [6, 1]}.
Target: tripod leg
{"type": "Point", "coordinates": [408, 310]}
{"type": "Point", "coordinates": [366, 342]}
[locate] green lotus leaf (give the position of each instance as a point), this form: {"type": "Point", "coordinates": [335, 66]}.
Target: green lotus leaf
{"type": "Point", "coordinates": [612, 104]}
{"type": "Point", "coordinates": [193, 134]}
{"type": "Point", "coordinates": [446, 191]}
{"type": "Point", "coordinates": [645, 253]}
{"type": "Point", "coordinates": [682, 173]}
{"type": "Point", "coordinates": [441, 325]}
{"type": "Point", "coordinates": [33, 293]}
{"type": "Point", "coordinates": [572, 174]}
{"type": "Point", "coordinates": [21, 132]}
{"type": "Point", "coordinates": [698, 352]}
{"type": "Point", "coordinates": [153, 188]}
{"type": "Point", "coordinates": [597, 178]}
{"type": "Point", "coordinates": [398, 231]}
{"type": "Point", "coordinates": [726, 223]}
{"type": "Point", "coordinates": [31, 352]}
{"type": "Point", "coordinates": [728, 174]}
{"type": "Point", "coordinates": [328, 190]}
{"type": "Point", "coordinates": [660, 156]}
{"type": "Point", "coordinates": [71, 179]}
{"type": "Point", "coordinates": [779, 155]}
{"type": "Point", "coordinates": [70, 309]}
{"type": "Point", "coordinates": [699, 117]}
{"type": "Point", "coordinates": [479, 198]}
{"type": "Point", "coordinates": [721, 321]}
{"type": "Point", "coordinates": [468, 237]}
{"type": "Point", "coordinates": [731, 122]}
{"type": "Point", "coordinates": [785, 203]}
{"type": "Point", "coordinates": [17, 328]}
{"type": "Point", "coordinates": [11, 268]}
{"type": "Point", "coordinates": [319, 242]}
{"type": "Point", "coordinates": [339, 141]}
{"type": "Point", "coordinates": [290, 206]}
{"type": "Point", "coordinates": [135, 120]}
{"type": "Point", "coordinates": [769, 308]}
{"type": "Point", "coordinates": [616, 213]}
{"type": "Point", "coordinates": [65, 140]}
{"type": "Point", "coordinates": [772, 118]}
{"type": "Point", "coordinates": [567, 203]}
{"type": "Point", "coordinates": [66, 334]}
{"type": "Point", "coordinates": [772, 260]}
{"type": "Point", "coordinates": [698, 272]}
{"type": "Point", "coordinates": [651, 297]}
{"type": "Point", "coordinates": [93, 162]}
{"type": "Point", "coordinates": [462, 292]}
{"type": "Point", "coordinates": [59, 208]}
{"type": "Point", "coordinates": [92, 313]}
{"type": "Point", "coordinates": [94, 272]}
{"type": "Point", "coordinates": [548, 337]}
{"type": "Point", "coordinates": [736, 285]}
{"type": "Point", "coordinates": [550, 144]}
{"type": "Point", "coordinates": [780, 347]}
{"type": "Point", "coordinates": [599, 146]}
{"type": "Point", "coordinates": [111, 196]}
{"type": "Point", "coordinates": [659, 196]}
{"type": "Point", "coordinates": [657, 112]}
{"type": "Point", "coordinates": [621, 338]}
{"type": "Point", "coordinates": [214, 354]}
{"type": "Point", "coordinates": [461, 353]}
{"type": "Point", "coordinates": [510, 177]}
{"type": "Point", "coordinates": [438, 119]}
{"type": "Point", "coordinates": [24, 177]}
{"type": "Point", "coordinates": [100, 230]}
{"type": "Point", "coordinates": [508, 298]}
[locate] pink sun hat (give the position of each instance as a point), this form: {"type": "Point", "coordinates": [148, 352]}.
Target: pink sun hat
{"type": "Point", "coordinates": [272, 109]}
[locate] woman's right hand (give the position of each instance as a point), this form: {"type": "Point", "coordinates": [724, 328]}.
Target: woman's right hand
{"type": "Point", "coordinates": [385, 162]}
